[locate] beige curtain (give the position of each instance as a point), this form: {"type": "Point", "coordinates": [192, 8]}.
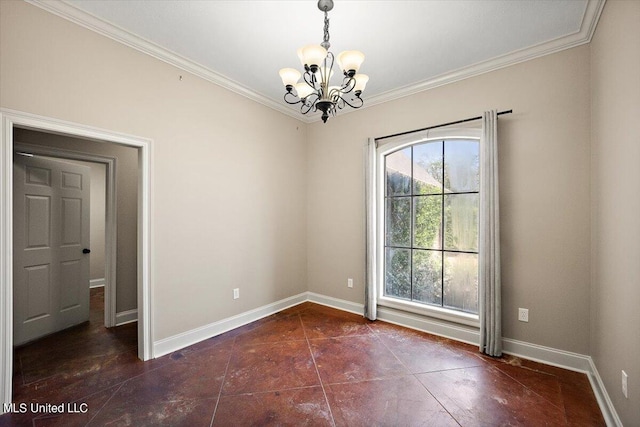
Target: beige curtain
{"type": "Point", "coordinates": [370, 208]}
{"type": "Point", "coordinates": [490, 309]}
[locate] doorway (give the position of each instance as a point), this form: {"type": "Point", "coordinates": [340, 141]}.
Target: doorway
{"type": "Point", "coordinates": [106, 274]}
{"type": "Point", "coordinates": [10, 120]}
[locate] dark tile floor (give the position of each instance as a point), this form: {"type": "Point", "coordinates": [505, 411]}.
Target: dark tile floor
{"type": "Point", "coordinates": [308, 365]}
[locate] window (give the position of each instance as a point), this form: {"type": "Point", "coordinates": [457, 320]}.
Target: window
{"type": "Point", "coordinates": [428, 237]}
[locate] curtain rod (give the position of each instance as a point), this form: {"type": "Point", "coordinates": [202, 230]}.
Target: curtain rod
{"type": "Point", "coordinates": [441, 125]}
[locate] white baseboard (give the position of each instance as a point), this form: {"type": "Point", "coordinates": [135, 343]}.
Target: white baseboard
{"type": "Point", "coordinates": [340, 304]}
{"type": "Point", "coordinates": [433, 326]}
{"type": "Point", "coordinates": [185, 339]}
{"type": "Point", "coordinates": [96, 283]}
{"type": "Point", "coordinates": [606, 405]}
{"type": "Point", "coordinates": [547, 355]}
{"type": "Point", "coordinates": [125, 317]}
{"type": "Point", "coordinates": [550, 356]}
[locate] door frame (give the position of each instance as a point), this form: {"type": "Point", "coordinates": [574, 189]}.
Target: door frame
{"type": "Point", "coordinates": [9, 119]}
{"type": "Point", "coordinates": [111, 236]}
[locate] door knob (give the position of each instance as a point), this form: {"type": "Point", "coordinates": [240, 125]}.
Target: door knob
{"type": "Point", "coordinates": [86, 251]}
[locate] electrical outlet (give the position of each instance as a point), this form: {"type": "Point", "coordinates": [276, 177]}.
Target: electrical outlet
{"type": "Point", "coordinates": [523, 314]}
{"type": "Point", "coordinates": [236, 293]}
{"type": "Point", "coordinates": [349, 283]}
{"type": "Point", "coordinates": [625, 388]}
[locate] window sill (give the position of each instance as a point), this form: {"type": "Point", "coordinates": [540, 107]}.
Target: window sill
{"type": "Point", "coordinates": [431, 311]}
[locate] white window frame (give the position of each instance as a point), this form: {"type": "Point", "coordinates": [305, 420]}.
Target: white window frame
{"type": "Point", "coordinates": [382, 150]}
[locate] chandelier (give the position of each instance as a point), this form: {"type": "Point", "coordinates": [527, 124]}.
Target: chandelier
{"type": "Point", "coordinates": [316, 92]}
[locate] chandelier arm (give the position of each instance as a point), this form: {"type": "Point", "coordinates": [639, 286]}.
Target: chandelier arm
{"type": "Point", "coordinates": [310, 79]}
{"type": "Point", "coordinates": [312, 98]}
{"type": "Point", "coordinates": [332, 110]}
{"type": "Point", "coordinates": [294, 99]}
{"type": "Point", "coordinates": [329, 55]}
{"type": "Point", "coordinates": [304, 109]}
{"type": "Point", "coordinates": [355, 105]}
{"type": "Point", "coordinates": [348, 84]}
{"type": "Point", "coordinates": [309, 103]}
{"type": "Point", "coordinates": [344, 89]}
{"type": "Point", "coordinates": [325, 76]}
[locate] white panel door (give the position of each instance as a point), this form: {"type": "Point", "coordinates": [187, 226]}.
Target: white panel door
{"type": "Point", "coordinates": [50, 235]}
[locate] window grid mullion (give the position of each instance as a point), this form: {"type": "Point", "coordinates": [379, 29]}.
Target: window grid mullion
{"type": "Point", "coordinates": [411, 229]}
{"type": "Point", "coordinates": [442, 236]}
{"type": "Point", "coordinates": [453, 251]}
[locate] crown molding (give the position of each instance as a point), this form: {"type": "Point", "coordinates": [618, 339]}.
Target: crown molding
{"type": "Point", "coordinates": [583, 36]}
{"type": "Point", "coordinates": [70, 12]}
{"type": "Point", "coordinates": [78, 16]}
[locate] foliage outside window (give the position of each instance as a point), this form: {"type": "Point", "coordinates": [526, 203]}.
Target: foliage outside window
{"type": "Point", "coordinates": [431, 202]}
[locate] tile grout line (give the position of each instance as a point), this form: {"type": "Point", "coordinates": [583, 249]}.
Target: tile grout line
{"type": "Point", "coordinates": [105, 403]}
{"type": "Point", "coordinates": [250, 393]}
{"type": "Point", "coordinates": [121, 383]}
{"type": "Point", "coordinates": [315, 365]}
{"type": "Point", "coordinates": [414, 375]}
{"type": "Point", "coordinates": [532, 390]}
{"type": "Point", "coordinates": [438, 400]}
{"type": "Point", "coordinates": [563, 408]}
{"type": "Point", "coordinates": [390, 351]}
{"type": "Point", "coordinates": [340, 337]}
{"type": "Point", "coordinates": [389, 377]}
{"type": "Point", "coordinates": [224, 377]}
{"type": "Point", "coordinates": [61, 374]}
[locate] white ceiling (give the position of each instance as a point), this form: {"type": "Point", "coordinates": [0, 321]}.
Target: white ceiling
{"type": "Point", "coordinates": [408, 45]}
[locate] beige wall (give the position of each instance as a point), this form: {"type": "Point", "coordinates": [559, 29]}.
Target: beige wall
{"type": "Point", "coordinates": [615, 208]}
{"type": "Point", "coordinates": [126, 206]}
{"type": "Point", "coordinates": [544, 193]}
{"type": "Point", "coordinates": [229, 175]}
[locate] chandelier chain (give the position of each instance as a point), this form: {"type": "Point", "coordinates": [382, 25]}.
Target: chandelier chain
{"type": "Point", "coordinates": [325, 43]}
